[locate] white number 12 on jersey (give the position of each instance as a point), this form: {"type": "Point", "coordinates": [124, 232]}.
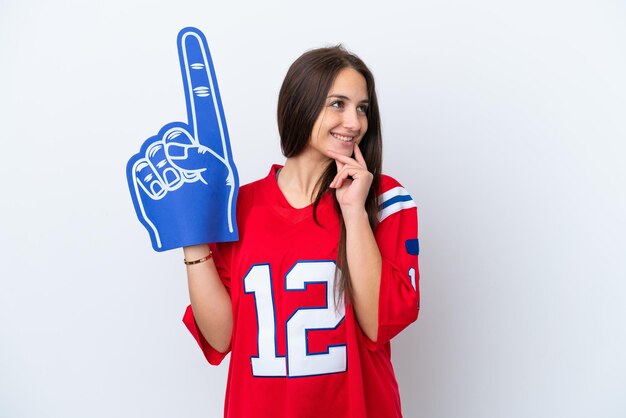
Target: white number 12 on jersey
{"type": "Point", "coordinates": [297, 362]}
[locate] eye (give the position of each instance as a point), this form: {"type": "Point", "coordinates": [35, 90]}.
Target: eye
{"type": "Point", "coordinates": [362, 108]}
{"type": "Point", "coordinates": [338, 104]}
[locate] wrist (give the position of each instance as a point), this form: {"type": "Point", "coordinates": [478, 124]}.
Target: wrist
{"type": "Point", "coordinates": [354, 216]}
{"type": "Point", "coordinates": [194, 252]}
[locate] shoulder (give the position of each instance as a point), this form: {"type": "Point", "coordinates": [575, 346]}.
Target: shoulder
{"type": "Point", "coordinates": [390, 187]}
{"type": "Point", "coordinates": [258, 191]}
{"type": "Point", "coordinates": [392, 198]}
{"type": "Point", "coordinates": [251, 188]}
{"type": "Point", "coordinates": [387, 182]}
{"type": "Point", "coordinates": [262, 182]}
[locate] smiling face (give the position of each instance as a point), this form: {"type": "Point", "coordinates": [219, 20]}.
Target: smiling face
{"type": "Point", "coordinates": [343, 119]}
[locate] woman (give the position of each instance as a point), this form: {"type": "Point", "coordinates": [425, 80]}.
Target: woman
{"type": "Point", "coordinates": [325, 272]}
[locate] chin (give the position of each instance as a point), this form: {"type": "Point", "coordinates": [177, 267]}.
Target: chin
{"type": "Point", "coordinates": [344, 152]}
{"type": "Point", "coordinates": [343, 148]}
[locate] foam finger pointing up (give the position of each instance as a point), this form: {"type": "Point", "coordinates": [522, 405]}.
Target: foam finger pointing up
{"type": "Point", "coordinates": [201, 92]}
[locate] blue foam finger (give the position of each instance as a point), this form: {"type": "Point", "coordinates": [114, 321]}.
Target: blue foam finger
{"type": "Point", "coordinates": [204, 105]}
{"type": "Point", "coordinates": [188, 196]}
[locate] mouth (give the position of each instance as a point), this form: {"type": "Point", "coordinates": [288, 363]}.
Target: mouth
{"type": "Point", "coordinates": [342, 138]}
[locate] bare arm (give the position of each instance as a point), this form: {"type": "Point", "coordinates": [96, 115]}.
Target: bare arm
{"type": "Point", "coordinates": [210, 301]}
{"type": "Point", "coordinates": [365, 263]}
{"type": "Point", "coordinates": [352, 184]}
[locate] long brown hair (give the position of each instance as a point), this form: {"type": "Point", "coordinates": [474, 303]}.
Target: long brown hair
{"type": "Point", "coordinates": [300, 101]}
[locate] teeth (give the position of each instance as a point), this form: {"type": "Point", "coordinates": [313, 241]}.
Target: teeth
{"type": "Point", "coordinates": [343, 138]}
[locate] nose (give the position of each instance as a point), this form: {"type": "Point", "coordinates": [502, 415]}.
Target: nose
{"type": "Point", "coordinates": [351, 120]}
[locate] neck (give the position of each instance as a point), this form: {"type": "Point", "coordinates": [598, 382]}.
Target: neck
{"type": "Point", "coordinates": [298, 179]}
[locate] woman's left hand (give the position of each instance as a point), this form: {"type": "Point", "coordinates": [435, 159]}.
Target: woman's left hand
{"type": "Point", "coordinates": [352, 182]}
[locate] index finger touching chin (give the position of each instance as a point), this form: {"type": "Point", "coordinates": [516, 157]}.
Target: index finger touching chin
{"type": "Point", "coordinates": [358, 155]}
{"type": "Point", "coordinates": [339, 165]}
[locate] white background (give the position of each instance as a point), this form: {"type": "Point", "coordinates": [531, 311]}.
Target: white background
{"type": "Point", "coordinates": [506, 120]}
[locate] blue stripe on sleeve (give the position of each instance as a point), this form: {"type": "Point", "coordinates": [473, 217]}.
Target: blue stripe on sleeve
{"type": "Point", "coordinates": [395, 199]}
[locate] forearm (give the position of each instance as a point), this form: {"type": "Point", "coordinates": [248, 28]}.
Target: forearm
{"type": "Point", "coordinates": [210, 301]}
{"type": "Point", "coordinates": [365, 263]}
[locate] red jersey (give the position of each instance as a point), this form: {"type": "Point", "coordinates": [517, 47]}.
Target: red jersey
{"type": "Point", "coordinates": [294, 351]}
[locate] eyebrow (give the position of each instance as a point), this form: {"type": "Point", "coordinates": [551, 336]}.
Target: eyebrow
{"type": "Point", "coordinates": [341, 96]}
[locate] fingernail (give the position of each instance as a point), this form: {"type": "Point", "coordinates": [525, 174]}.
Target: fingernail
{"type": "Point", "coordinates": [156, 188]}
{"type": "Point", "coordinates": [171, 176]}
